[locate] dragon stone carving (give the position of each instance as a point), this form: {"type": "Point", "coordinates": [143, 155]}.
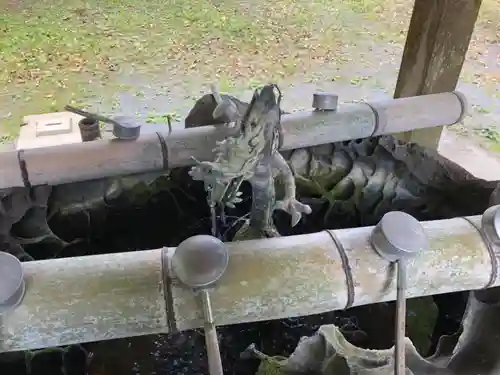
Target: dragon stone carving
{"type": "Point", "coordinates": [252, 156]}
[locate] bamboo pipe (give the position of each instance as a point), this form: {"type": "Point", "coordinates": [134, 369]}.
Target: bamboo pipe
{"type": "Point", "coordinates": [100, 297]}
{"type": "Point", "coordinates": [153, 152]}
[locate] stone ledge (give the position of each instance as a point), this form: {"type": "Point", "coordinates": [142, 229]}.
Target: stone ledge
{"type": "Point", "coordinates": [475, 160]}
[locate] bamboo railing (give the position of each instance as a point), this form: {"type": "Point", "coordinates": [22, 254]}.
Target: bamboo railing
{"type": "Point", "coordinates": [154, 152]}
{"type": "Point", "coordinates": [100, 297]}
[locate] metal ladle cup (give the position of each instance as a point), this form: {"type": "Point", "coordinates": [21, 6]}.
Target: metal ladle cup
{"type": "Point", "coordinates": [198, 263]}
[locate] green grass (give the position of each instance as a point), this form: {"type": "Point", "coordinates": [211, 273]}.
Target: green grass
{"type": "Point", "coordinates": [162, 119]}
{"type": "Point", "coordinates": [55, 52]}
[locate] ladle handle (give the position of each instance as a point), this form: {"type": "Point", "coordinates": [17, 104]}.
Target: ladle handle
{"type": "Point", "coordinates": [399, 348]}
{"type": "Point", "coordinates": [211, 340]}
{"type": "Point", "coordinates": [213, 352]}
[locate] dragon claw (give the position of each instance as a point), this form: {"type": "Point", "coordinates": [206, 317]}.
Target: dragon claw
{"type": "Point", "coordinates": [293, 207]}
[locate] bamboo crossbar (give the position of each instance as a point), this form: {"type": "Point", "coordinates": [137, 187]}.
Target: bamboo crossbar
{"type": "Point", "coordinates": [157, 151]}
{"type": "Point", "coordinates": [100, 297]}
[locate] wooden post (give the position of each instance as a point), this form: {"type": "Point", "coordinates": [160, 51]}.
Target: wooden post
{"type": "Point", "coordinates": [436, 44]}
